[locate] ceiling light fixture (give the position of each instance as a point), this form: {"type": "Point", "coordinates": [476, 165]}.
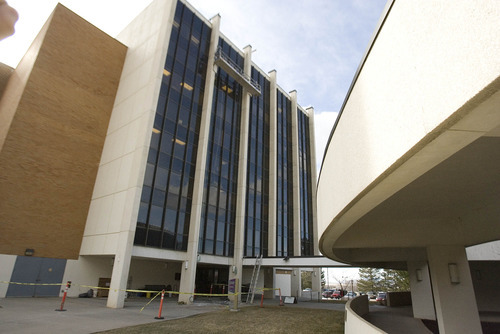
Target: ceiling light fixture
{"type": "Point", "coordinates": [187, 86]}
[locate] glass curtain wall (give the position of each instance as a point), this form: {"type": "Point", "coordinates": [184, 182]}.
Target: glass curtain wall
{"type": "Point", "coordinates": [284, 219]}
{"type": "Point", "coordinates": [306, 219]}
{"type": "Point", "coordinates": [165, 207]}
{"type": "Point", "coordinates": [257, 199]}
{"type": "Point", "coordinates": [221, 177]}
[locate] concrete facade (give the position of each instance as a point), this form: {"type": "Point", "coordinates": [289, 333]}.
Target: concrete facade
{"type": "Point", "coordinates": [123, 104]}
{"type": "Point", "coordinates": [413, 158]}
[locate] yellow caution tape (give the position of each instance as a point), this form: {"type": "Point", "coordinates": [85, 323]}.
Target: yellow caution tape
{"type": "Point", "coordinates": [19, 283]}
{"type": "Point", "coordinates": [149, 302]}
{"type": "Point", "coordinates": [145, 291]}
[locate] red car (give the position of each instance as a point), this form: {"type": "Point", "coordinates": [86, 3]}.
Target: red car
{"type": "Point", "coordinates": [327, 293]}
{"type": "Point", "coordinates": [381, 298]}
{"type": "Point", "coordinates": [337, 294]}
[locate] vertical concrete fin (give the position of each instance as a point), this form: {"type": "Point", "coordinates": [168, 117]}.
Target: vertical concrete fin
{"type": "Point", "coordinates": [273, 162]}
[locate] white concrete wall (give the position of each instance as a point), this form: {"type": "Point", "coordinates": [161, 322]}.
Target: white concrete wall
{"type": "Point", "coordinates": [8, 262]}
{"type": "Point", "coordinates": [86, 271]}
{"type": "Point", "coordinates": [489, 251]}
{"type": "Point", "coordinates": [115, 201]}
{"type": "Point", "coordinates": [354, 323]}
{"type": "Point", "coordinates": [417, 74]}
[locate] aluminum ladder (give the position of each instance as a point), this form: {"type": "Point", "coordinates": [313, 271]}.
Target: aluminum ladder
{"type": "Point", "coordinates": [255, 278]}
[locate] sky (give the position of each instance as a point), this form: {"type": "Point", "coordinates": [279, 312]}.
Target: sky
{"type": "Point", "coordinates": [315, 46]}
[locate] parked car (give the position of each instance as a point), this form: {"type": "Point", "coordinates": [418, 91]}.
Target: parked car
{"type": "Point", "coordinates": [327, 294]}
{"type": "Point", "coordinates": [381, 298]}
{"type": "Point", "coordinates": [351, 294]}
{"type": "Point", "coordinates": [370, 294]}
{"type": "Point", "coordinates": [337, 294]}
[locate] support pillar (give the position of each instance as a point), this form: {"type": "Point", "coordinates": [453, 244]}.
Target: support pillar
{"type": "Point", "coordinates": [273, 163]}
{"type": "Point", "coordinates": [296, 283]}
{"type": "Point", "coordinates": [314, 178]}
{"type": "Point", "coordinates": [421, 290]}
{"type": "Point", "coordinates": [126, 194]}
{"type": "Point", "coordinates": [456, 308]}
{"type": "Point", "coordinates": [188, 273]}
{"type": "Point", "coordinates": [239, 234]}
{"type": "Point", "coordinates": [316, 280]}
{"type": "Point", "coordinates": [121, 268]}
{"type": "Point", "coordinates": [297, 240]}
{"type": "Point", "coordinates": [268, 282]}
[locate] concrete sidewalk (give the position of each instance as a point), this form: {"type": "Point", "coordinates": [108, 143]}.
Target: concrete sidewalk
{"type": "Point", "coordinates": [87, 315]}
{"type": "Point", "coordinates": [90, 315]}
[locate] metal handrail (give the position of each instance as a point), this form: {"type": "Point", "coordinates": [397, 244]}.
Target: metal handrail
{"type": "Point", "coordinates": [219, 54]}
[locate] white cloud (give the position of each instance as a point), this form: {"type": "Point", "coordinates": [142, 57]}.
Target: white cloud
{"type": "Point", "coordinates": [315, 47]}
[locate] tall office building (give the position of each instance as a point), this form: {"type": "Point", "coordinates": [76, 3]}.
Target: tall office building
{"type": "Point", "coordinates": [195, 159]}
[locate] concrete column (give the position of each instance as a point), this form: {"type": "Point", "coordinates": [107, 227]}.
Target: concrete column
{"type": "Point", "coordinates": [296, 288]}
{"type": "Point", "coordinates": [456, 308]}
{"type": "Point", "coordinates": [273, 163]}
{"type": "Point", "coordinates": [316, 281]}
{"type": "Point", "coordinates": [121, 268]}
{"type": "Point", "coordinates": [239, 235]}
{"type": "Point", "coordinates": [296, 177]}
{"type": "Point", "coordinates": [314, 178]}
{"type": "Point", "coordinates": [6, 268]}
{"type": "Point", "coordinates": [421, 290]}
{"type": "Point", "coordinates": [188, 272]}
{"type": "Point", "coordinates": [128, 200]}
{"type": "Point", "coordinates": [268, 281]}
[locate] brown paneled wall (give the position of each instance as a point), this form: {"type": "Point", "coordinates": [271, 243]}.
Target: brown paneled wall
{"type": "Point", "coordinates": [63, 90]}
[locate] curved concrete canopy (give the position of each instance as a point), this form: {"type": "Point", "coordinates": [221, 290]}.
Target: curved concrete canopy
{"type": "Point", "coordinates": [414, 159]}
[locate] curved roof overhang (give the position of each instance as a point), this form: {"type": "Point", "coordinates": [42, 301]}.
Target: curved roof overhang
{"type": "Point", "coordinates": [431, 178]}
{"type": "Point", "coordinates": [446, 190]}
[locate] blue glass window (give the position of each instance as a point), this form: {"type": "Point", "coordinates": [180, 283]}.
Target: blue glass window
{"type": "Point", "coordinates": [168, 183]}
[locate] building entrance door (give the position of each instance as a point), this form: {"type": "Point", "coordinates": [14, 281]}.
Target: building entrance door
{"type": "Point", "coordinates": [211, 280]}
{"type": "Point", "coordinates": [283, 281]}
{"type": "Point", "coordinates": [36, 270]}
